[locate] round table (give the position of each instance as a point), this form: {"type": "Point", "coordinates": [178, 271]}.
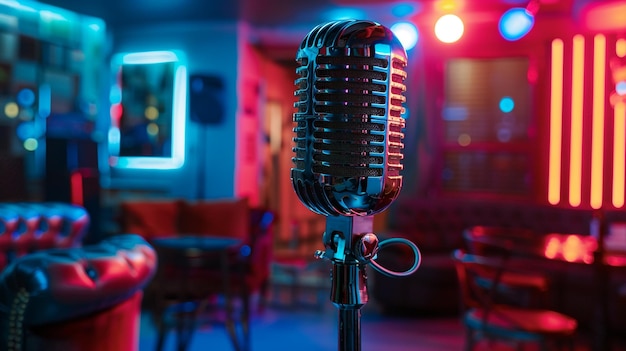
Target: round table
{"type": "Point", "coordinates": [187, 261]}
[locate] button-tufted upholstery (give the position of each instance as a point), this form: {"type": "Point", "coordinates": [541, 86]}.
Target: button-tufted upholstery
{"type": "Point", "coordinates": [27, 227]}
{"type": "Point", "coordinates": [91, 296]}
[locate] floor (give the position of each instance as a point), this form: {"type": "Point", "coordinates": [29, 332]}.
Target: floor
{"type": "Point", "coordinates": [311, 324]}
{"type": "Point", "coordinates": [312, 329]}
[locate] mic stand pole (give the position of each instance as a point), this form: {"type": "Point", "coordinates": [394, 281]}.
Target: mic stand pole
{"type": "Point", "coordinates": [350, 244]}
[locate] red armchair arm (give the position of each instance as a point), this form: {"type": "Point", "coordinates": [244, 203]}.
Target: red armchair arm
{"type": "Point", "coordinates": [60, 285]}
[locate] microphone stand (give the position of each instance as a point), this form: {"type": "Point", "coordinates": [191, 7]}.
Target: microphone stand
{"type": "Point", "coordinates": [349, 243]}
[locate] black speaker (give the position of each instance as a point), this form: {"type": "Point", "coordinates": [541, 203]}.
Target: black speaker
{"type": "Point", "coordinates": [206, 99]}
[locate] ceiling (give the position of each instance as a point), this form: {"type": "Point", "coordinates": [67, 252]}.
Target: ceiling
{"type": "Point", "coordinates": [274, 14]}
{"type": "Point", "coordinates": [283, 23]}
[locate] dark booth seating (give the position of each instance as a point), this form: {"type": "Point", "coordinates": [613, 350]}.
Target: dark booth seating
{"type": "Point", "coordinates": [233, 218]}
{"type": "Point", "coordinates": [437, 225]}
{"type": "Point", "coordinates": [86, 298]}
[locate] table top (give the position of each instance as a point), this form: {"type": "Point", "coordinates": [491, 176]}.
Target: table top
{"type": "Point", "coordinates": [574, 248]}
{"type": "Point", "coordinates": [197, 242]}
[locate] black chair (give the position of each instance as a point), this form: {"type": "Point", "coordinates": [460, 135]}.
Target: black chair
{"type": "Point", "coordinates": [527, 287]}
{"type": "Point", "coordinates": [486, 315]}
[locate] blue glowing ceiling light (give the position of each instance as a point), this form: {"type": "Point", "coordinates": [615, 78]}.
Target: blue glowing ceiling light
{"type": "Point", "coordinates": [515, 23]}
{"type": "Point", "coordinates": [404, 9]}
{"type": "Point", "coordinates": [407, 33]}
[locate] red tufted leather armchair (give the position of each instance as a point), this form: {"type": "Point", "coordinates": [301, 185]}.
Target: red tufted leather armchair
{"type": "Point", "coordinates": [86, 298]}
{"type": "Point", "coordinates": [27, 227]}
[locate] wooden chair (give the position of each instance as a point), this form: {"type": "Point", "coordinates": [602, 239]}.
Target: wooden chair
{"type": "Point", "coordinates": [485, 316]}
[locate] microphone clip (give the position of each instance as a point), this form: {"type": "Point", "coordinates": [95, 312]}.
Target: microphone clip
{"type": "Point", "coordinates": [349, 239]}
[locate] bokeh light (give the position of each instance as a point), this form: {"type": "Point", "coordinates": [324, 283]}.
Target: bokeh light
{"type": "Point", "coordinates": [464, 139]}
{"type": "Point", "coordinates": [404, 9]}
{"type": "Point", "coordinates": [344, 13]}
{"type": "Point", "coordinates": [115, 94]}
{"type": "Point", "coordinates": [407, 34]}
{"type": "Point", "coordinates": [31, 144]}
{"type": "Point", "coordinates": [445, 5]}
{"type": "Point", "coordinates": [620, 88]}
{"type": "Point", "coordinates": [151, 113]}
{"type": "Point", "coordinates": [152, 129]}
{"type": "Point", "coordinates": [26, 97]}
{"type": "Point", "coordinates": [620, 47]}
{"type": "Point", "coordinates": [116, 111]}
{"type": "Point", "coordinates": [449, 28]}
{"type": "Point", "coordinates": [507, 104]}
{"type": "Point", "coordinates": [29, 129]}
{"type": "Point", "coordinates": [515, 23]}
{"type": "Point", "coordinates": [11, 110]}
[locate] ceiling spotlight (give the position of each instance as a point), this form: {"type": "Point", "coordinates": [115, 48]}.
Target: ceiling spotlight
{"type": "Point", "coordinates": [449, 28]}
{"type": "Point", "coordinates": [407, 34]}
{"type": "Point", "coordinates": [516, 23]}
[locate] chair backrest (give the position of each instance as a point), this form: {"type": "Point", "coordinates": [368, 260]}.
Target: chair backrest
{"type": "Point", "coordinates": [494, 240]}
{"type": "Point", "coordinates": [73, 225]}
{"type": "Point", "coordinates": [486, 281]}
{"type": "Point", "coordinates": [472, 270]}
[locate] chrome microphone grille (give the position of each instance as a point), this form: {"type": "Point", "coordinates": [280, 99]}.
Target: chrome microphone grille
{"type": "Point", "coordinates": [349, 124]}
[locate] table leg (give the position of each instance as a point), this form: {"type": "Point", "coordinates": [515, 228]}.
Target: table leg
{"type": "Point", "coordinates": [601, 314]}
{"type": "Point", "coordinates": [185, 327]}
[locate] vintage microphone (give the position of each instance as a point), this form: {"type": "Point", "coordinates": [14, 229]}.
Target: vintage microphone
{"type": "Point", "coordinates": [348, 151]}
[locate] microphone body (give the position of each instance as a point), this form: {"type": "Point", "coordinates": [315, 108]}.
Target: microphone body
{"type": "Point", "coordinates": [349, 124]}
{"type": "Point", "coordinates": [349, 130]}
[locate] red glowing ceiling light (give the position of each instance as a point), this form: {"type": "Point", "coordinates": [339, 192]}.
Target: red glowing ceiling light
{"type": "Point", "coordinates": [604, 15]}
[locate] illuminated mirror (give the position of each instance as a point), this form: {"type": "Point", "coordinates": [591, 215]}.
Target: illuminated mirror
{"type": "Point", "coordinates": [148, 108]}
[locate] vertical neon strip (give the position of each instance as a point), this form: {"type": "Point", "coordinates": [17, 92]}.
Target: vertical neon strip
{"type": "Point", "coordinates": [619, 153]}
{"type": "Point", "coordinates": [556, 122]}
{"type": "Point", "coordinates": [597, 141]}
{"type": "Point", "coordinates": [619, 139]}
{"type": "Point", "coordinates": [578, 75]}
{"type": "Point", "coordinates": [620, 47]}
